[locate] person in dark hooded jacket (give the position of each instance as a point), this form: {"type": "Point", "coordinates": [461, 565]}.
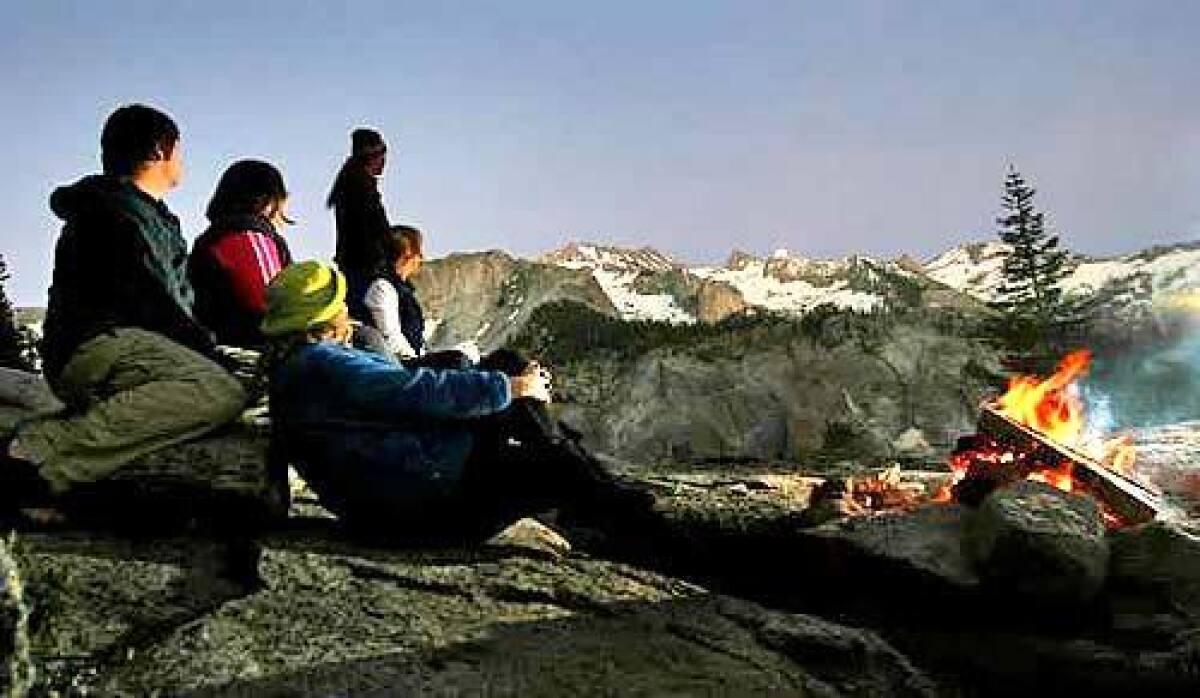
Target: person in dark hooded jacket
{"type": "Point", "coordinates": [362, 222]}
{"type": "Point", "coordinates": [233, 261]}
{"type": "Point", "coordinates": [121, 346]}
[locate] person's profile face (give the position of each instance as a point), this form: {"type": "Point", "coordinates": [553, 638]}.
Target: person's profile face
{"type": "Point", "coordinates": [172, 165]}
{"type": "Point", "coordinates": [376, 164]}
{"type": "Point", "coordinates": [409, 264]}
{"type": "Point", "coordinates": [277, 214]}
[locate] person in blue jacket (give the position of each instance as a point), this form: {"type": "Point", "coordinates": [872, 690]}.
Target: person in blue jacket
{"type": "Point", "coordinates": [400, 451]}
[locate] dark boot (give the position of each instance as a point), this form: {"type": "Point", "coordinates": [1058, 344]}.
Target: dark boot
{"type": "Point", "coordinates": [21, 485]}
{"type": "Point", "coordinates": [591, 491]}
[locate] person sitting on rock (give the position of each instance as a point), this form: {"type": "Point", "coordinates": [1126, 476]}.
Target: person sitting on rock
{"type": "Point", "coordinates": [233, 261]}
{"type": "Point", "coordinates": [361, 221]}
{"type": "Point", "coordinates": [121, 346]}
{"type": "Point", "coordinates": [400, 452]}
{"type": "Point", "coordinates": [391, 307]}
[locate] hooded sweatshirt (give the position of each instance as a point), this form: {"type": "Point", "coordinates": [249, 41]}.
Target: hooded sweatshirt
{"type": "Point", "coordinates": [120, 261]}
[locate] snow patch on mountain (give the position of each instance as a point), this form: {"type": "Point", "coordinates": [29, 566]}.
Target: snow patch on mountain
{"type": "Point", "coordinates": [760, 287]}
{"type": "Point", "coordinates": [780, 283]}
{"type": "Point", "coordinates": [1127, 282]}
{"type": "Point", "coordinates": [1176, 270]}
{"type": "Point", "coordinates": [661, 307]}
{"type": "Point", "coordinates": [617, 270]}
{"type": "Point", "coordinates": [591, 256]}
{"type": "Point", "coordinates": [975, 269]}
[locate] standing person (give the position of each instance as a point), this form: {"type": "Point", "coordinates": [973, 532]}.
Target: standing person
{"type": "Point", "coordinates": [233, 261]}
{"type": "Point", "coordinates": [121, 345]}
{"type": "Point", "coordinates": [397, 451]}
{"type": "Point", "coordinates": [358, 210]}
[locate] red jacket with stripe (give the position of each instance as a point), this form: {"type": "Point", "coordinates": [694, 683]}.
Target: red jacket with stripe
{"type": "Point", "coordinates": [230, 267]}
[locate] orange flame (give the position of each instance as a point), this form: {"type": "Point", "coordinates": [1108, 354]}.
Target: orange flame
{"type": "Point", "coordinates": [1053, 407]}
{"type": "Point", "coordinates": [1050, 406]}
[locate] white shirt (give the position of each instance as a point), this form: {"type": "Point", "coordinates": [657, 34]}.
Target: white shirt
{"type": "Point", "coordinates": [383, 303]}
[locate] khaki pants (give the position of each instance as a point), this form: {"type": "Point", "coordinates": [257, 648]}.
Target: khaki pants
{"type": "Point", "coordinates": [131, 392]}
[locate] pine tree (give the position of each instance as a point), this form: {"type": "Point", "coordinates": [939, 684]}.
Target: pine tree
{"type": "Point", "coordinates": [1036, 319]}
{"type": "Point", "coordinates": [13, 342]}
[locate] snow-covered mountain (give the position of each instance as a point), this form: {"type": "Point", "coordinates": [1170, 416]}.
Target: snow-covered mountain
{"type": "Point", "coordinates": [1132, 283]}
{"type": "Point", "coordinates": [789, 284]}
{"type": "Point", "coordinates": [486, 297]}
{"type": "Point", "coordinates": [621, 272]}
{"type": "Point", "coordinates": [645, 284]}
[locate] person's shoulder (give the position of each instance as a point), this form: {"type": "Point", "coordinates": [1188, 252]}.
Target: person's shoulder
{"type": "Point", "coordinates": [381, 286]}
{"type": "Point", "coordinates": [335, 352]}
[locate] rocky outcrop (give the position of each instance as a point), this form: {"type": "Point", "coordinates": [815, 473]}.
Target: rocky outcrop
{"type": "Point", "coordinates": [717, 300]}
{"type": "Point", "coordinates": [305, 613]}
{"type": "Point", "coordinates": [911, 575]}
{"type": "Point", "coordinates": [1037, 542]}
{"type": "Point", "coordinates": [486, 297]}
{"type": "Point", "coordinates": [780, 399]}
{"type": "Point", "coordinates": [302, 610]}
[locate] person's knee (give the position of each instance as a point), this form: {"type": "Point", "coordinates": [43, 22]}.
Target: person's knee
{"type": "Point", "coordinates": [225, 398]}
{"type": "Point", "coordinates": [506, 361]}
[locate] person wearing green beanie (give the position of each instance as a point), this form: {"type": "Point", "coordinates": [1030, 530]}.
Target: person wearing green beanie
{"type": "Point", "coordinates": [411, 452]}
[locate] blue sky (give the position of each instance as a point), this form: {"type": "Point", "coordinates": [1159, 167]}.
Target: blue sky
{"type": "Point", "coordinates": [695, 127]}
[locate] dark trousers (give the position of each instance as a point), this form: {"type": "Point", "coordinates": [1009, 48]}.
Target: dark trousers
{"type": "Point", "coordinates": [520, 464]}
{"type": "Point", "coordinates": [517, 467]}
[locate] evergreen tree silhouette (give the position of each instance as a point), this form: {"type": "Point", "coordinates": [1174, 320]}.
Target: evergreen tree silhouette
{"type": "Point", "coordinates": [13, 343]}
{"type": "Point", "coordinates": [1037, 321]}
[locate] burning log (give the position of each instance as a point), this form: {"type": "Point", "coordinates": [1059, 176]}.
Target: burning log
{"type": "Point", "coordinates": [1130, 500]}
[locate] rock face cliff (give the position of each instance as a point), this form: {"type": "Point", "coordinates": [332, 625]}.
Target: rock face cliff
{"type": "Point", "coordinates": [716, 301]}
{"type": "Point", "coordinates": [768, 391]}
{"type": "Point", "coordinates": [487, 297]}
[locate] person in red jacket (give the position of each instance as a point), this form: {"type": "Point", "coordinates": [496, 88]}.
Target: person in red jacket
{"type": "Point", "coordinates": [241, 252]}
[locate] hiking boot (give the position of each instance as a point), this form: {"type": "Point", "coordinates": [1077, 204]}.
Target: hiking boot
{"type": "Point", "coordinates": [594, 492]}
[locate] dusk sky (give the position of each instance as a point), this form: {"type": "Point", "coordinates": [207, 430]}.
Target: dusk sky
{"type": "Point", "coordinates": [694, 127]}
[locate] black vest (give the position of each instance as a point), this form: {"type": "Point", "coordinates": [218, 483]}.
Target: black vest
{"type": "Point", "coordinates": [412, 318]}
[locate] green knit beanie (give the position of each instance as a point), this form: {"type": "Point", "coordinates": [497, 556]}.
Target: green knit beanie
{"type": "Point", "coordinates": [303, 296]}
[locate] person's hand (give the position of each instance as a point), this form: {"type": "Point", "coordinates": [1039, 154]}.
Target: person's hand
{"type": "Point", "coordinates": [533, 383]}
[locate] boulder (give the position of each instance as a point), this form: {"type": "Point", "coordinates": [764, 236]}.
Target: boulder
{"type": "Point", "coordinates": [1038, 542]}
{"type": "Point", "coordinates": [302, 612]}
{"type": "Point", "coordinates": [717, 300]}
{"type": "Point", "coordinates": [914, 549]}
{"type": "Point", "coordinates": [24, 395]}
{"type": "Point", "coordinates": [1154, 578]}
{"type": "Point", "coordinates": [912, 443]}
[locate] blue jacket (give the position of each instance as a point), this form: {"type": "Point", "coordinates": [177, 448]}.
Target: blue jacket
{"type": "Point", "coordinates": [373, 437]}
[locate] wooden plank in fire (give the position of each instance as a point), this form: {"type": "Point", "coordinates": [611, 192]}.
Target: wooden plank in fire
{"type": "Point", "coordinates": [1129, 499]}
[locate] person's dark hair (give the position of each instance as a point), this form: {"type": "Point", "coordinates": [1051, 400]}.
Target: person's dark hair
{"type": "Point", "coordinates": [134, 135]}
{"type": "Point", "coordinates": [365, 143]}
{"type": "Point", "coordinates": [247, 187]}
{"type": "Point", "coordinates": [401, 241]}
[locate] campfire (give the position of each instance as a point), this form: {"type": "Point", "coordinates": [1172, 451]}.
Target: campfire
{"type": "Point", "coordinates": [1038, 430]}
